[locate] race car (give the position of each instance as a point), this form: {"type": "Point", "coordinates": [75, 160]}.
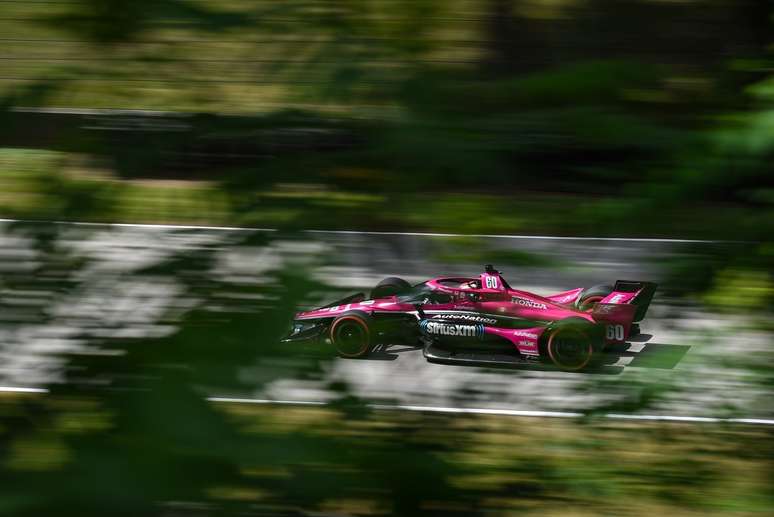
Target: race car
{"type": "Point", "coordinates": [480, 320]}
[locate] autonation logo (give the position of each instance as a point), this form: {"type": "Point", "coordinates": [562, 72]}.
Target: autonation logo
{"type": "Point", "coordinates": [466, 317]}
{"type": "Point", "coordinates": [435, 328]}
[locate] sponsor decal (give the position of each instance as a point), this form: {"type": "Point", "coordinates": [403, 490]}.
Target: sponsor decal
{"type": "Point", "coordinates": [522, 333]}
{"type": "Point", "coordinates": [367, 302]}
{"type": "Point", "coordinates": [466, 317]}
{"type": "Point", "coordinates": [435, 328]}
{"type": "Point", "coordinates": [615, 299]}
{"type": "Point", "coordinates": [528, 303]}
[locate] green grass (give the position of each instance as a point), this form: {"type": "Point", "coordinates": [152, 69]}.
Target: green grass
{"type": "Point", "coordinates": [549, 466]}
{"type": "Point", "coordinates": [349, 460]}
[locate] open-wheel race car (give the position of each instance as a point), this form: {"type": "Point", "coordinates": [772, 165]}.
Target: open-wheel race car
{"type": "Point", "coordinates": [480, 320]}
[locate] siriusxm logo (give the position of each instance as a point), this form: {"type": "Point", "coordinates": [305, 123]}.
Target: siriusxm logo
{"type": "Point", "coordinates": [436, 328]}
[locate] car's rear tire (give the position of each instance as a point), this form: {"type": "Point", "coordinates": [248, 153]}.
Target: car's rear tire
{"type": "Point", "coordinates": [591, 296]}
{"type": "Point", "coordinates": [571, 346]}
{"type": "Point", "coordinates": [350, 334]}
{"type": "Point", "coordinates": [390, 286]}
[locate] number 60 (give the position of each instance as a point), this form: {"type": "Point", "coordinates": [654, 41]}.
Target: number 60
{"type": "Point", "coordinates": [615, 332]}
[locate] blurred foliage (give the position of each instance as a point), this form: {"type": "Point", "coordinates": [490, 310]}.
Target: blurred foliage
{"type": "Point", "coordinates": [652, 135]}
{"type": "Point", "coordinates": [597, 117]}
{"type": "Point", "coordinates": [477, 250]}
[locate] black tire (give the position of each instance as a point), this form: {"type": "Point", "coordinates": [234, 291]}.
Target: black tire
{"type": "Point", "coordinates": [390, 286]}
{"type": "Point", "coordinates": [351, 334]}
{"type": "Point", "coordinates": [571, 345]}
{"type": "Point", "coordinates": [592, 295]}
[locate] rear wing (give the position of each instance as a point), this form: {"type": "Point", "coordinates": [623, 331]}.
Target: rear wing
{"type": "Point", "coordinates": [641, 300]}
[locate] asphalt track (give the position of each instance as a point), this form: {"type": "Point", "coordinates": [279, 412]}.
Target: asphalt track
{"type": "Point", "coordinates": [682, 347]}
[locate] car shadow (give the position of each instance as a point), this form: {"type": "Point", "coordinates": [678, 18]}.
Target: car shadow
{"type": "Point", "coordinates": [386, 352]}
{"type": "Point", "coordinates": [548, 367]}
{"type": "Point", "coordinates": [661, 356]}
{"type": "Point", "coordinates": [653, 355]}
{"type": "Point", "coordinates": [642, 354]}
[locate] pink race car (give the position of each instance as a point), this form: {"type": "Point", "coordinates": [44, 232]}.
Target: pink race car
{"type": "Point", "coordinates": [480, 320]}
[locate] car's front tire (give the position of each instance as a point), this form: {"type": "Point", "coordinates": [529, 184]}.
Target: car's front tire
{"type": "Point", "coordinates": [351, 334]}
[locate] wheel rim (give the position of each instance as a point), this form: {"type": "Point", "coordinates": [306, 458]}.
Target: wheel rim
{"type": "Point", "coordinates": [589, 303]}
{"type": "Point", "coordinates": [570, 349]}
{"type": "Point", "coordinates": [350, 336]}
